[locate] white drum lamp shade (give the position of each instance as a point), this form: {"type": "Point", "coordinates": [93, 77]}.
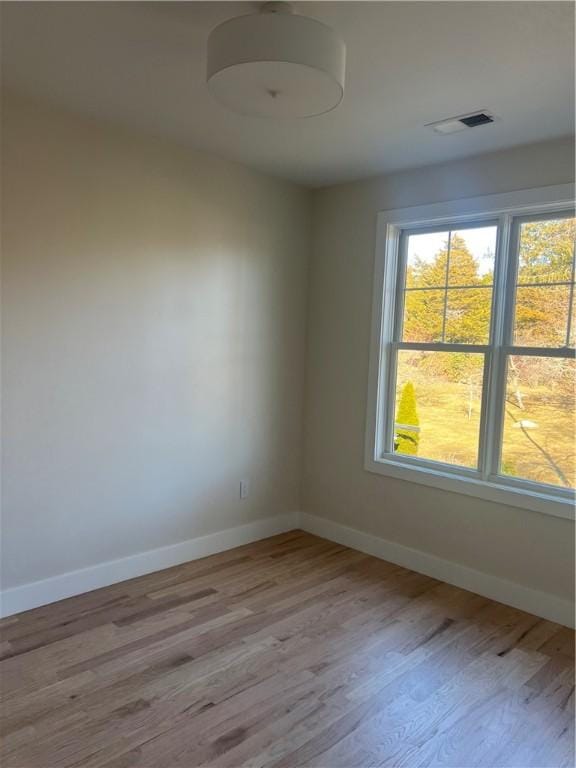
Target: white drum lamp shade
{"type": "Point", "coordinates": [275, 64]}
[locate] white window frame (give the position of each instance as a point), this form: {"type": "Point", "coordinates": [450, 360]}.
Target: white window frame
{"type": "Point", "coordinates": [505, 209]}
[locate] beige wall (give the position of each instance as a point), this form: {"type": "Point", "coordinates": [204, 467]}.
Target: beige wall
{"type": "Point", "coordinates": [153, 343]}
{"type": "Point", "coordinates": [154, 321]}
{"type": "Point", "coordinates": [525, 547]}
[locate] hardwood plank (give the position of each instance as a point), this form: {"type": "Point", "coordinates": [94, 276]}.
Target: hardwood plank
{"type": "Point", "coordinates": [293, 651]}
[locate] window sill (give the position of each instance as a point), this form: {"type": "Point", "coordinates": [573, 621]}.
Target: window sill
{"type": "Point", "coordinates": [548, 504]}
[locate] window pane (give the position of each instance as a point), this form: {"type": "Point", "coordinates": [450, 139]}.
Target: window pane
{"type": "Point", "coordinates": [538, 440]}
{"type": "Point", "coordinates": [468, 315]}
{"type": "Point", "coordinates": [541, 315]}
{"type": "Point", "coordinates": [546, 251]}
{"type": "Point", "coordinates": [423, 312]}
{"type": "Point", "coordinates": [434, 309]}
{"type": "Point", "coordinates": [426, 263]}
{"type": "Point", "coordinates": [437, 413]}
{"type": "Point", "coordinates": [472, 253]}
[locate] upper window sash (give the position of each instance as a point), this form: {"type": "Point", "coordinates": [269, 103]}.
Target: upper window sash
{"type": "Point", "coordinates": [511, 294]}
{"type": "Point", "coordinates": [395, 332]}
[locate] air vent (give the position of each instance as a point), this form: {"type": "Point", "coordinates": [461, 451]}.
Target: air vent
{"type": "Point", "coordinates": [462, 122]}
{"type": "Point", "coordinates": [480, 118]}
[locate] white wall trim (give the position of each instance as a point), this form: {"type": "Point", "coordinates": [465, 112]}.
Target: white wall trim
{"type": "Point", "coordinates": [534, 601]}
{"type": "Point", "coordinates": [36, 593]}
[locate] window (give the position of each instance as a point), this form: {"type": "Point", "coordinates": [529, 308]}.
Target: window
{"type": "Point", "coordinates": [473, 362]}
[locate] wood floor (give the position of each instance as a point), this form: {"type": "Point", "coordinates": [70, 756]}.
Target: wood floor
{"type": "Point", "coordinates": [293, 651]}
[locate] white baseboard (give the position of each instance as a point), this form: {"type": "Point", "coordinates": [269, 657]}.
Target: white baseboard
{"type": "Point", "coordinates": [22, 598]}
{"type": "Point", "coordinates": [18, 599]}
{"type": "Point", "coordinates": [533, 601]}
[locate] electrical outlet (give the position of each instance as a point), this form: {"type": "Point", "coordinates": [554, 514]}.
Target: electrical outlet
{"type": "Point", "coordinates": [244, 488]}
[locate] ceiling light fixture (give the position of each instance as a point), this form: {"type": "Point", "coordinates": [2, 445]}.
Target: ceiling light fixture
{"type": "Point", "coordinates": [276, 64]}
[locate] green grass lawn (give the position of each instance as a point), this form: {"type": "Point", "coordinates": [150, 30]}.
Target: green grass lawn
{"type": "Point", "coordinates": [449, 432]}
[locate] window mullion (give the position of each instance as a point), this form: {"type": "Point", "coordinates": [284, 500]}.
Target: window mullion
{"type": "Point", "coordinates": [494, 394]}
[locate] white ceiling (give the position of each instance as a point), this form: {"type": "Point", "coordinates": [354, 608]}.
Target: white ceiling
{"type": "Point", "coordinates": [409, 63]}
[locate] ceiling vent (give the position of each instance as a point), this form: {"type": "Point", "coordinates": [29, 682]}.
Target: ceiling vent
{"type": "Point", "coordinates": [462, 122]}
